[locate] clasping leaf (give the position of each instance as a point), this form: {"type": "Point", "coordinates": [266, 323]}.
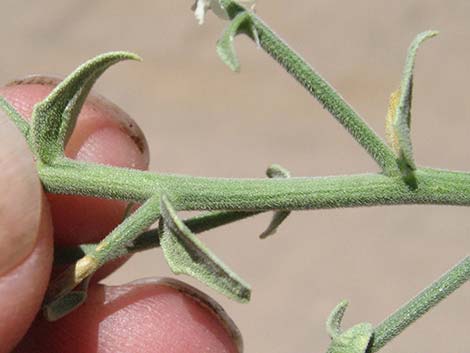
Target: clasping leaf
{"type": "Point", "coordinates": [186, 254]}
{"type": "Point", "coordinates": [53, 119]}
{"type": "Point", "coordinates": [399, 112]}
{"type": "Point", "coordinates": [354, 340]}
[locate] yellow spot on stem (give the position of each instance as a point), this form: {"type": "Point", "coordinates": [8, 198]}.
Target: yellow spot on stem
{"type": "Point", "coordinates": [390, 132]}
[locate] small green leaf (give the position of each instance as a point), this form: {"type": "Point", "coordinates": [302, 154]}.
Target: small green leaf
{"type": "Point", "coordinates": [242, 23]}
{"type": "Point", "coordinates": [354, 340]}
{"type": "Point", "coordinates": [53, 119]}
{"type": "Point", "coordinates": [276, 171]}
{"type": "Point", "coordinates": [187, 255]}
{"type": "Point", "coordinates": [333, 324]}
{"type": "Point", "coordinates": [62, 306]}
{"type": "Point", "coordinates": [399, 112]}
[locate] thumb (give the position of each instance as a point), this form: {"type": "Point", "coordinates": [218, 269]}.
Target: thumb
{"type": "Point", "coordinates": [25, 237]}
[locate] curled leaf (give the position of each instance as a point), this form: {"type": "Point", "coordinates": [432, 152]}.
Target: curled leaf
{"type": "Point", "coordinates": [242, 23]}
{"type": "Point", "coordinates": [399, 111]}
{"type": "Point", "coordinates": [276, 171]}
{"type": "Point", "coordinates": [53, 119]}
{"type": "Point", "coordinates": [354, 340]}
{"type": "Point", "coordinates": [333, 324]}
{"type": "Point", "coordinates": [186, 254]}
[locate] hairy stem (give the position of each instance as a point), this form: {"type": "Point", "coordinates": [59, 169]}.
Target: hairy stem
{"type": "Point", "coordinates": [422, 303]}
{"type": "Point", "coordinates": [198, 193]}
{"type": "Point", "coordinates": [109, 248]}
{"type": "Point", "coordinates": [296, 66]}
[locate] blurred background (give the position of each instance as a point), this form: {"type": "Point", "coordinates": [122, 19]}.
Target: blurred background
{"type": "Point", "coordinates": [201, 119]}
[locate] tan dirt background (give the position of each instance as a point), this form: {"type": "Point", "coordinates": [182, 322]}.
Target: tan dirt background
{"type": "Point", "coordinates": [202, 119]}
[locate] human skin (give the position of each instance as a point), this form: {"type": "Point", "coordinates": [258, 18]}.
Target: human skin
{"type": "Point", "coordinates": [151, 316]}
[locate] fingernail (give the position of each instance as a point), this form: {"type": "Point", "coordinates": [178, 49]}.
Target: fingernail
{"type": "Point", "coordinates": [35, 79]}
{"type": "Point", "coordinates": [112, 146]}
{"type": "Point", "coordinates": [20, 197]}
{"type": "Point", "coordinates": [203, 299]}
{"type": "Point", "coordinates": [124, 122]}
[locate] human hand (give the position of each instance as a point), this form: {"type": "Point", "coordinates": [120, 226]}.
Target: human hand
{"type": "Point", "coordinates": [150, 316]}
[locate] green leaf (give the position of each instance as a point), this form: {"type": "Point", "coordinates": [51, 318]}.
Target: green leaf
{"type": "Point", "coordinates": [242, 23]}
{"type": "Point", "coordinates": [186, 254]}
{"type": "Point", "coordinates": [399, 112]}
{"type": "Point", "coordinates": [53, 119]}
{"type": "Point", "coordinates": [276, 171]}
{"type": "Point", "coordinates": [354, 340]}
{"type": "Point", "coordinates": [62, 306]}
{"type": "Point", "coordinates": [333, 324]}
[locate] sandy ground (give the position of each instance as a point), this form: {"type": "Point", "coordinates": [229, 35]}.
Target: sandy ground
{"type": "Point", "coordinates": [202, 119]}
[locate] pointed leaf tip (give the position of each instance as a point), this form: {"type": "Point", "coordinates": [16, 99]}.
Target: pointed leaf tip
{"type": "Point", "coordinates": [186, 254]}
{"type": "Point", "coordinates": [421, 37]}
{"type": "Point", "coordinates": [333, 323]}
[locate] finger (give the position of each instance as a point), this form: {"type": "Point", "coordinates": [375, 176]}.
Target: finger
{"type": "Point", "coordinates": [153, 317]}
{"type": "Point", "coordinates": [25, 237]}
{"type": "Point", "coordinates": [104, 134]}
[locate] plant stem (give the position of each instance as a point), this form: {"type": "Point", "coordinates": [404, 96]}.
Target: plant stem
{"type": "Point", "coordinates": [151, 238]}
{"type": "Point", "coordinates": [422, 303]}
{"type": "Point", "coordinates": [198, 193]}
{"type": "Point", "coordinates": [296, 66]}
{"type": "Point", "coordinates": [109, 248]}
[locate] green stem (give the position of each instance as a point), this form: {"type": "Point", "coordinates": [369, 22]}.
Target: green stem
{"type": "Point", "coordinates": [125, 234]}
{"type": "Point", "coordinates": [151, 238]}
{"type": "Point", "coordinates": [422, 303]}
{"type": "Point", "coordinates": [109, 248]}
{"type": "Point", "coordinates": [198, 193]}
{"type": "Point", "coordinates": [296, 66]}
